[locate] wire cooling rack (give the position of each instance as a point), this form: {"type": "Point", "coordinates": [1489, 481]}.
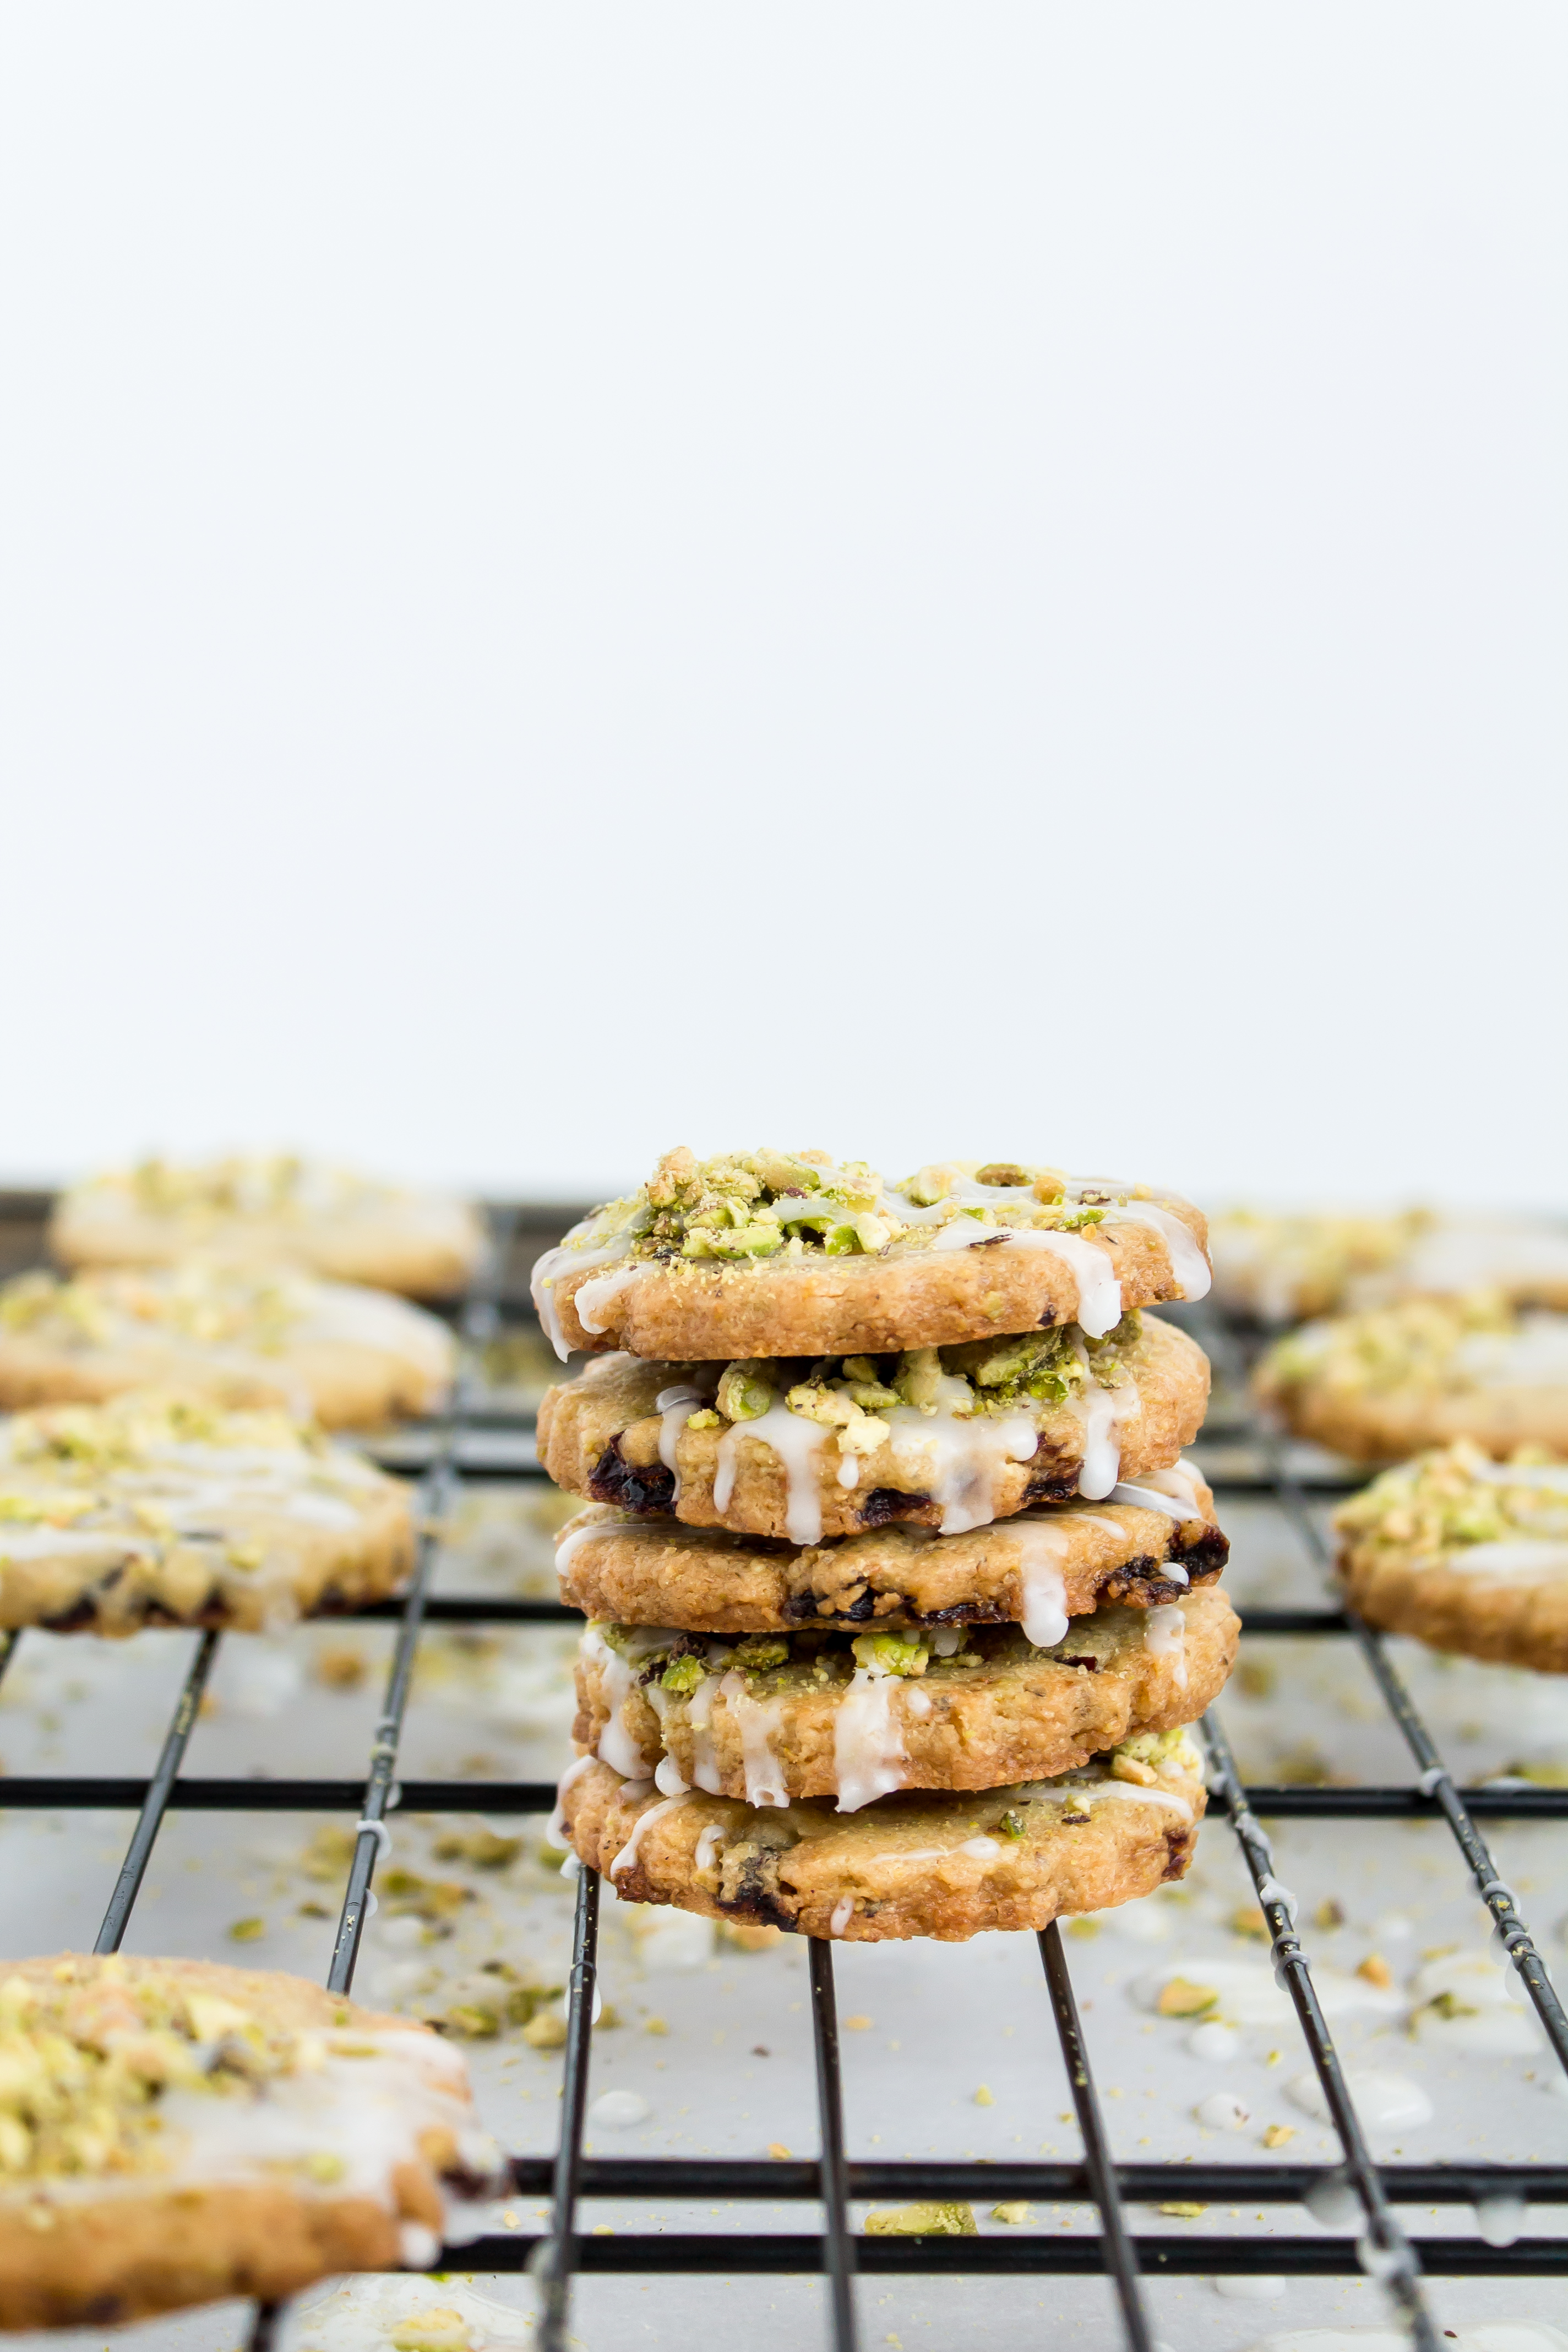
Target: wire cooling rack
{"type": "Point", "coordinates": [1356, 2197]}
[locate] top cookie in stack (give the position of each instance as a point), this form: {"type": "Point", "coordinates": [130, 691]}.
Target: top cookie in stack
{"type": "Point", "coordinates": [887, 1399]}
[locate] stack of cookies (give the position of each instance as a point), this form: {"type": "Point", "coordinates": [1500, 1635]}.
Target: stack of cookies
{"type": "Point", "coordinates": [901, 1594]}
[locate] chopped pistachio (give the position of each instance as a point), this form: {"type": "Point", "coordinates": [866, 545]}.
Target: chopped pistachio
{"type": "Point", "coordinates": [891, 1654]}
{"type": "Point", "coordinates": [744, 1392]}
{"type": "Point", "coordinates": [682, 1675]}
{"type": "Point", "coordinates": [946, 2219]}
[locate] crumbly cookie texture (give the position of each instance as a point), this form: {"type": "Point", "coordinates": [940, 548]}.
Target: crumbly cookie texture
{"type": "Point", "coordinates": [272, 1210]}
{"type": "Point", "coordinates": [790, 1254]}
{"type": "Point", "coordinates": [160, 1509]}
{"type": "Point", "coordinates": [173, 2132]}
{"type": "Point", "coordinates": [782, 1717]}
{"type": "Point", "coordinates": [244, 1336]}
{"type": "Point", "coordinates": [946, 1865]}
{"type": "Point", "coordinates": [1279, 1268]}
{"type": "Point", "coordinates": [1060, 1560]}
{"type": "Point", "coordinates": [1466, 1553]}
{"type": "Point", "coordinates": [947, 1438]}
{"type": "Point", "coordinates": [1395, 1379]}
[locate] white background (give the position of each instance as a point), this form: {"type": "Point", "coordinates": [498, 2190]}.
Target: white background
{"type": "Point", "coordinates": [908, 579]}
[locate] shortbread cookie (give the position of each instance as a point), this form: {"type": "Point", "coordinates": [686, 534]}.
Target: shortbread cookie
{"type": "Point", "coordinates": [1467, 1554]}
{"type": "Point", "coordinates": [173, 2132]}
{"type": "Point", "coordinates": [779, 1254]}
{"type": "Point", "coordinates": [271, 1211]}
{"type": "Point", "coordinates": [167, 1510]}
{"type": "Point", "coordinates": [783, 1716]}
{"type": "Point", "coordinates": [1386, 1384]}
{"type": "Point", "coordinates": [947, 1865]}
{"type": "Point", "coordinates": [323, 1350]}
{"type": "Point", "coordinates": [1279, 1269]}
{"type": "Point", "coordinates": [1036, 1570]}
{"type": "Point", "coordinates": [948, 1438]}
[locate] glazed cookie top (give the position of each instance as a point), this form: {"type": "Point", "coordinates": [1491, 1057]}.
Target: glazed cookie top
{"type": "Point", "coordinates": [777, 1253]}
{"type": "Point", "coordinates": [1461, 1511]}
{"type": "Point", "coordinates": [1280, 1267]}
{"type": "Point", "coordinates": [272, 1207]}
{"type": "Point", "coordinates": [1430, 1345]}
{"type": "Point", "coordinates": [206, 1309]}
{"type": "Point", "coordinates": [115, 2069]}
{"type": "Point", "coordinates": [149, 1472]}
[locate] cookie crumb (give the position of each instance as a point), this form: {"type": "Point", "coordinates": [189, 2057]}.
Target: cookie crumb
{"type": "Point", "coordinates": [983, 2097]}
{"type": "Point", "coordinates": [1277, 2134]}
{"type": "Point", "coordinates": [1376, 1970]}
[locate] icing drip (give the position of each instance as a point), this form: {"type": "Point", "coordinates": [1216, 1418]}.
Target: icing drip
{"type": "Point", "coordinates": [597, 1293]}
{"type": "Point", "coordinates": [849, 1470]}
{"type": "Point", "coordinates": [1103, 1412]}
{"type": "Point", "coordinates": [795, 1442]}
{"type": "Point", "coordinates": [1189, 1267]}
{"type": "Point", "coordinates": [708, 1846]}
{"type": "Point", "coordinates": [843, 1912]}
{"type": "Point", "coordinates": [644, 1821]}
{"type": "Point", "coordinates": [1524, 1559]}
{"type": "Point", "coordinates": [555, 1830]}
{"type": "Point", "coordinates": [699, 1717]}
{"type": "Point", "coordinates": [1165, 1636]}
{"type": "Point", "coordinates": [1090, 1793]}
{"type": "Point", "coordinates": [984, 1849]}
{"type": "Point", "coordinates": [956, 1458]}
{"type": "Point", "coordinates": [568, 1546]}
{"type": "Point", "coordinates": [1099, 1291]}
{"type": "Point", "coordinates": [548, 1270]}
{"type": "Point", "coordinates": [757, 1719]}
{"type": "Point", "coordinates": [618, 1680]}
{"type": "Point", "coordinates": [674, 1407]}
{"type": "Point", "coordinates": [1043, 1614]}
{"type": "Point", "coordinates": [1149, 1498]}
{"type": "Point", "coordinates": [868, 1743]}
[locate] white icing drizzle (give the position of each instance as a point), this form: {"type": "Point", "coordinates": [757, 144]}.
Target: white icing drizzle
{"type": "Point", "coordinates": [674, 1407]}
{"type": "Point", "coordinates": [568, 1546]}
{"type": "Point", "coordinates": [699, 1718]}
{"type": "Point", "coordinates": [796, 1442]}
{"type": "Point", "coordinates": [1122, 1792]}
{"type": "Point", "coordinates": [708, 1846]}
{"type": "Point", "coordinates": [1165, 1636]}
{"type": "Point", "coordinates": [1182, 1480]}
{"type": "Point", "coordinates": [1148, 1498]}
{"type": "Point", "coordinates": [549, 1269]}
{"type": "Point", "coordinates": [1102, 1411]}
{"type": "Point", "coordinates": [756, 1719]}
{"type": "Point", "coordinates": [1042, 1585]}
{"type": "Point", "coordinates": [984, 1849]}
{"type": "Point", "coordinates": [1553, 1474]}
{"type": "Point", "coordinates": [644, 1821]}
{"type": "Point", "coordinates": [1189, 1267]}
{"type": "Point", "coordinates": [618, 1680]}
{"type": "Point", "coordinates": [843, 1912]}
{"type": "Point", "coordinates": [1099, 1291]}
{"type": "Point", "coordinates": [849, 1470]}
{"type": "Point", "coordinates": [593, 1297]}
{"type": "Point", "coordinates": [555, 1829]}
{"type": "Point", "coordinates": [955, 1457]}
{"type": "Point", "coordinates": [917, 1702]}
{"type": "Point", "coordinates": [1521, 1559]}
{"type": "Point", "coordinates": [868, 1756]}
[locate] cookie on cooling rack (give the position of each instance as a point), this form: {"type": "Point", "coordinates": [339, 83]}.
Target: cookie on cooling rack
{"type": "Point", "coordinates": [1395, 1379]}
{"type": "Point", "coordinates": [1279, 1269]}
{"type": "Point", "coordinates": [1467, 1554]}
{"type": "Point", "coordinates": [948, 1438]}
{"type": "Point", "coordinates": [168, 1510]}
{"type": "Point", "coordinates": [272, 1210]}
{"type": "Point", "coordinates": [782, 1716]}
{"type": "Point", "coordinates": [173, 2133]}
{"type": "Point", "coordinates": [1150, 1544]}
{"type": "Point", "coordinates": [325, 1350]}
{"type": "Point", "coordinates": [948, 1866]}
{"type": "Point", "coordinates": [782, 1253]}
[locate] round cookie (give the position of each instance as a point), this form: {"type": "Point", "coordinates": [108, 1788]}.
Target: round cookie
{"type": "Point", "coordinates": [945, 1865]}
{"type": "Point", "coordinates": [948, 1438]}
{"type": "Point", "coordinates": [175, 2133]}
{"type": "Point", "coordinates": [777, 1253]}
{"type": "Point", "coordinates": [1387, 1384]}
{"type": "Point", "coordinates": [786, 1716]}
{"type": "Point", "coordinates": [1465, 1553]}
{"type": "Point", "coordinates": [346, 1357]}
{"type": "Point", "coordinates": [1279, 1268]}
{"type": "Point", "coordinates": [1033, 1570]}
{"type": "Point", "coordinates": [271, 1211]}
{"type": "Point", "coordinates": [167, 1510]}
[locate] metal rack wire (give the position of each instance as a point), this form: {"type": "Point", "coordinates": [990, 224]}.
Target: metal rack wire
{"type": "Point", "coordinates": [1355, 2200]}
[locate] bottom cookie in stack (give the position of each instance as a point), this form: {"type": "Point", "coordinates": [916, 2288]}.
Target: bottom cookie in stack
{"type": "Point", "coordinates": [999, 1746]}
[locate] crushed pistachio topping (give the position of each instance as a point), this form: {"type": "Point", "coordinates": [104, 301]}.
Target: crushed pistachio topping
{"type": "Point", "coordinates": [132, 1430]}
{"type": "Point", "coordinates": [1445, 1500]}
{"type": "Point", "coordinates": [1419, 1344]}
{"type": "Point", "coordinates": [85, 2057]}
{"type": "Point", "coordinates": [813, 1656]}
{"type": "Point", "coordinates": [249, 1184]}
{"type": "Point", "coordinates": [195, 1300]}
{"type": "Point", "coordinates": [851, 1395]}
{"type": "Point", "coordinates": [742, 1207]}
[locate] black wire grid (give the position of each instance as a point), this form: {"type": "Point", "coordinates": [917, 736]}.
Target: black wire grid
{"type": "Point", "coordinates": [1354, 2200]}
